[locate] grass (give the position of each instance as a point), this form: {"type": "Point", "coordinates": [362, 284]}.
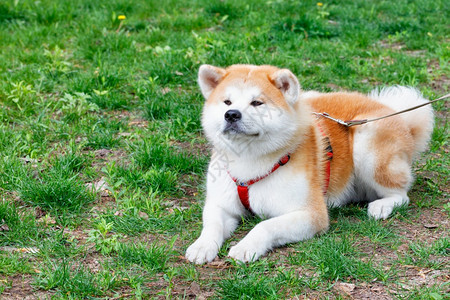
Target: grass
{"type": "Point", "coordinates": [58, 188]}
{"type": "Point", "coordinates": [88, 98]}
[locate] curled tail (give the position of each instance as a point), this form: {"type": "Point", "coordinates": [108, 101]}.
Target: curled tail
{"type": "Point", "coordinates": [420, 121]}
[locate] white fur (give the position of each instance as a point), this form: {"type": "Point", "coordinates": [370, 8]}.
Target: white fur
{"type": "Point", "coordinates": [309, 94]}
{"type": "Point", "coordinates": [268, 133]}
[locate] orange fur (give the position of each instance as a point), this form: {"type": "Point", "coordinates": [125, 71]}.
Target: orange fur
{"type": "Point", "coordinates": [393, 138]}
{"type": "Point", "coordinates": [312, 162]}
{"type": "Point", "coordinates": [237, 75]}
{"type": "Point", "coordinates": [394, 141]}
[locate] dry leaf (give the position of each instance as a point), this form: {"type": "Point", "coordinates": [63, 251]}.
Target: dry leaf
{"type": "Point", "coordinates": [346, 287]}
{"type": "Point", "coordinates": [165, 90]}
{"type": "Point", "coordinates": [430, 226]}
{"type": "Point", "coordinates": [143, 215]}
{"type": "Point", "coordinates": [27, 250]}
{"type": "Point", "coordinates": [194, 288]}
{"type": "Point", "coordinates": [403, 247]}
{"type": "Point", "coordinates": [100, 186]}
{"type": "Point", "coordinates": [28, 160]}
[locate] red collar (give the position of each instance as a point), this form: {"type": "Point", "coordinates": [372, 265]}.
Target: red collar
{"type": "Point", "coordinates": [242, 187]}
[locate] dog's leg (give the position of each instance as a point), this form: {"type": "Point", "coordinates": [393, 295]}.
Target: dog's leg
{"type": "Point", "coordinates": [218, 225]}
{"type": "Point", "coordinates": [383, 157]}
{"type": "Point", "coordinates": [288, 228]}
{"type": "Point", "coordinates": [397, 172]}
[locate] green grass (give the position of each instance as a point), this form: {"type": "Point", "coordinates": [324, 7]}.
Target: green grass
{"type": "Point", "coordinates": [11, 264]}
{"type": "Point", "coordinates": [85, 97]}
{"type": "Point", "coordinates": [154, 258]}
{"type": "Point", "coordinates": [75, 281]}
{"type": "Point", "coordinates": [21, 225]}
{"type": "Point", "coordinates": [58, 188]}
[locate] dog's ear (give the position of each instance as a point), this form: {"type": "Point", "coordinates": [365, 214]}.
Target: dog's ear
{"type": "Point", "coordinates": [208, 78]}
{"type": "Point", "coordinates": [287, 83]}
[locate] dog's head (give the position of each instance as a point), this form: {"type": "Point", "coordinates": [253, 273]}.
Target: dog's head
{"type": "Point", "coordinates": [249, 108]}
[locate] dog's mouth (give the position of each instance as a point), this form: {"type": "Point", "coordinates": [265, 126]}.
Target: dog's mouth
{"type": "Point", "coordinates": [234, 129]}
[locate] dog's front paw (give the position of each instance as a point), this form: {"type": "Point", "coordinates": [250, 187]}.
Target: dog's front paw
{"type": "Point", "coordinates": [202, 251]}
{"type": "Point", "coordinates": [247, 251]}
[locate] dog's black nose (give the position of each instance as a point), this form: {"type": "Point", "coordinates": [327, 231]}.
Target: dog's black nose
{"type": "Point", "coordinates": [233, 115]}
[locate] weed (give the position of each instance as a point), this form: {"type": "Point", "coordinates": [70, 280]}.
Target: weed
{"type": "Point", "coordinates": [434, 292]}
{"type": "Point", "coordinates": [57, 62]}
{"type": "Point", "coordinates": [74, 106]}
{"type": "Point", "coordinates": [21, 94]}
{"type": "Point", "coordinates": [105, 243]}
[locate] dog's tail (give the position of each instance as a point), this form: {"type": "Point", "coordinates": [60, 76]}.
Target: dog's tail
{"type": "Point", "coordinates": [420, 121]}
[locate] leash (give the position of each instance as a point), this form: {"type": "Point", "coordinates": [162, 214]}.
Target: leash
{"type": "Point", "coordinates": [350, 123]}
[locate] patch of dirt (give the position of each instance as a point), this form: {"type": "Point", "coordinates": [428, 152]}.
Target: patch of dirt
{"type": "Point", "coordinates": [119, 114]}
{"type": "Point", "coordinates": [442, 82]}
{"type": "Point", "coordinates": [93, 261]}
{"type": "Point", "coordinates": [391, 45]}
{"type": "Point", "coordinates": [416, 277]}
{"type": "Point", "coordinates": [108, 155]}
{"type": "Point", "coordinates": [442, 115]}
{"type": "Point", "coordinates": [376, 253]}
{"type": "Point", "coordinates": [77, 234]}
{"type": "Point", "coordinates": [20, 287]}
{"type": "Point", "coordinates": [102, 205]}
{"type": "Point", "coordinates": [367, 291]}
{"type": "Point", "coordinates": [105, 156]}
{"type": "Point", "coordinates": [191, 291]}
{"type": "Point", "coordinates": [190, 186]}
{"type": "Point", "coordinates": [430, 225]}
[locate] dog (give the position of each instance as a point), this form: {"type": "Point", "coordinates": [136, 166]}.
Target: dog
{"type": "Point", "coordinates": [273, 157]}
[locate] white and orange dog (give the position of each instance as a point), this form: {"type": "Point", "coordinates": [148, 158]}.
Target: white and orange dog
{"type": "Point", "coordinates": [273, 157]}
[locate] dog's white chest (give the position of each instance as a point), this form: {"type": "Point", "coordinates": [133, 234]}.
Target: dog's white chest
{"type": "Point", "coordinates": [278, 194]}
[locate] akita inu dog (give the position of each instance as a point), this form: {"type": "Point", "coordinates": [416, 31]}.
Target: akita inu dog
{"type": "Point", "coordinates": [273, 157]}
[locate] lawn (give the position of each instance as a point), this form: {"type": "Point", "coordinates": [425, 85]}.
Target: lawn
{"type": "Point", "coordinates": [102, 157]}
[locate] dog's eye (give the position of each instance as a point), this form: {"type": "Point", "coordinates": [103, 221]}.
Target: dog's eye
{"type": "Point", "coordinates": [256, 103]}
{"type": "Point", "coordinates": [227, 102]}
